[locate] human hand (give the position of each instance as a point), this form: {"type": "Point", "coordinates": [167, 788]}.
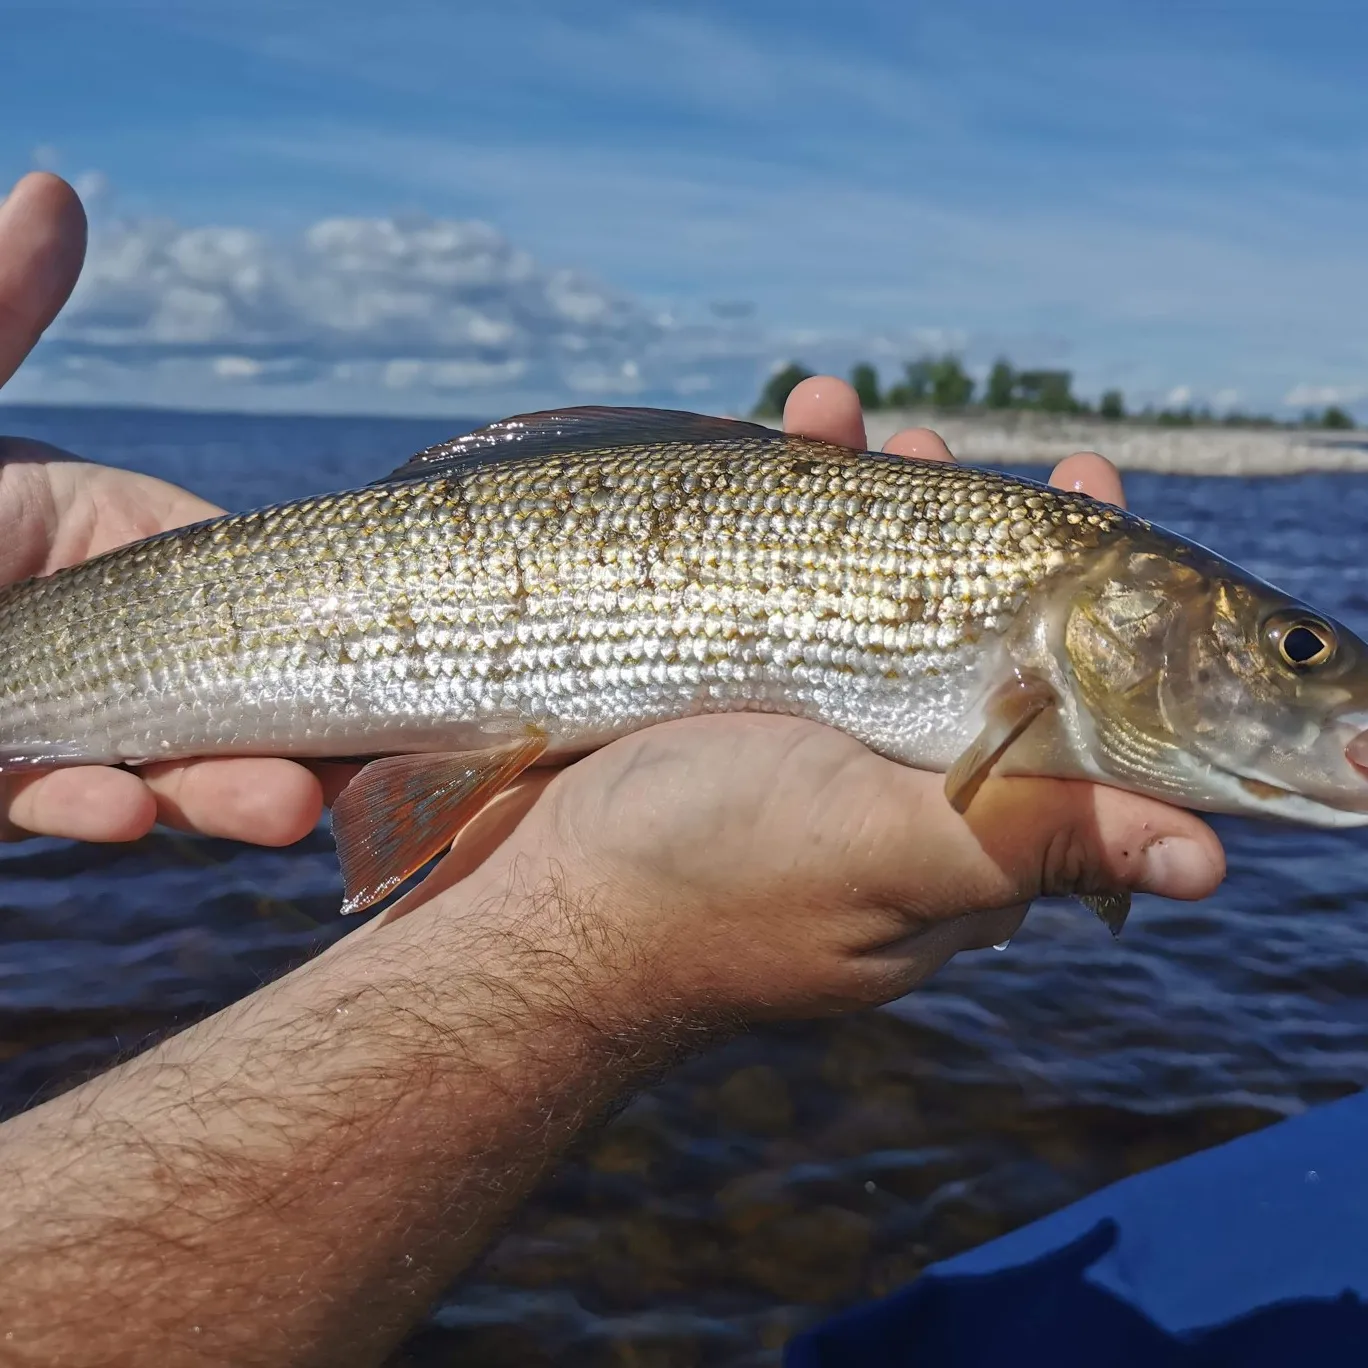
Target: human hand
{"type": "Point", "coordinates": [828, 409]}
{"type": "Point", "coordinates": [55, 510]}
{"type": "Point", "coordinates": [769, 866]}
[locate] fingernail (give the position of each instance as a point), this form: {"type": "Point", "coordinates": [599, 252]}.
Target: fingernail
{"type": "Point", "coordinates": [1175, 867]}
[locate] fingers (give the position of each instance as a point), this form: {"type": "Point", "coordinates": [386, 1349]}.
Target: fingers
{"type": "Point", "coordinates": [1084, 471]}
{"type": "Point", "coordinates": [87, 803]}
{"type": "Point", "coordinates": [1060, 836]}
{"type": "Point", "coordinates": [42, 247]}
{"type": "Point", "coordinates": [825, 408]}
{"type": "Point", "coordinates": [267, 802]}
{"type": "Point", "coordinates": [920, 444]}
{"type": "Point", "coordinates": [1088, 473]}
{"type": "Point", "coordinates": [1026, 838]}
{"type": "Point", "coordinates": [975, 877]}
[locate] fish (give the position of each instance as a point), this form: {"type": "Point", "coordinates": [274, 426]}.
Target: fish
{"type": "Point", "coordinates": [526, 593]}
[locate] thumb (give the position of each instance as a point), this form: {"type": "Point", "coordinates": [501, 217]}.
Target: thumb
{"type": "Point", "coordinates": [1027, 838]}
{"type": "Point", "coordinates": [1053, 837]}
{"type": "Point", "coordinates": [42, 246]}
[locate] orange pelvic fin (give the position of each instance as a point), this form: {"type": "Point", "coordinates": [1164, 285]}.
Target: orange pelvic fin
{"type": "Point", "coordinates": [399, 812]}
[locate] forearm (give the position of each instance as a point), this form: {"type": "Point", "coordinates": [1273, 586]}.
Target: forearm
{"type": "Point", "coordinates": [293, 1180]}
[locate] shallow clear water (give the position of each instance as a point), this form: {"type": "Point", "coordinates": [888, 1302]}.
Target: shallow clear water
{"type": "Point", "coordinates": [803, 1167]}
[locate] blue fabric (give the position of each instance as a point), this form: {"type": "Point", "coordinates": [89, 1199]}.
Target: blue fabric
{"type": "Point", "coordinates": [1250, 1255]}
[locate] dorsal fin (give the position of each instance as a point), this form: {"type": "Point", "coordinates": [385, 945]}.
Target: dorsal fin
{"type": "Point", "coordinates": [558, 431]}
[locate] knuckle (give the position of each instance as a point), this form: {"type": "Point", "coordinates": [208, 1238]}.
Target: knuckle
{"type": "Point", "coordinates": [1072, 863]}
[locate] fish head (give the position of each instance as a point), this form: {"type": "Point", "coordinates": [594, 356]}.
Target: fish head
{"type": "Point", "coordinates": [1206, 685]}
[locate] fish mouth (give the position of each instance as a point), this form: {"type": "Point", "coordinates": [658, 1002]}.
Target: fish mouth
{"type": "Point", "coordinates": [1356, 753]}
{"type": "Point", "coordinates": [1262, 789]}
{"type": "Point", "coordinates": [1262, 799]}
{"type": "Point", "coordinates": [1332, 802]}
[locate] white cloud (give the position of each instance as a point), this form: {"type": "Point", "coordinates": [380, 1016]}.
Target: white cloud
{"type": "Point", "coordinates": [416, 313]}
{"type": "Point", "coordinates": [385, 306]}
{"type": "Point", "coordinates": [91, 186]}
{"type": "Point", "coordinates": [594, 379]}
{"type": "Point", "coordinates": [409, 374]}
{"type": "Point", "coordinates": [236, 367]}
{"type": "Point", "coordinates": [1187, 284]}
{"type": "Point", "coordinates": [1304, 396]}
{"type": "Point", "coordinates": [693, 384]}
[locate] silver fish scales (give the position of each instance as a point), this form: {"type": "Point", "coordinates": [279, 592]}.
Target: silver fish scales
{"type": "Point", "coordinates": [585, 595]}
{"type": "Point", "coordinates": [557, 581]}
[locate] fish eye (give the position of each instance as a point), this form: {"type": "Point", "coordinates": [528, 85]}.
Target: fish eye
{"type": "Point", "coordinates": [1303, 643]}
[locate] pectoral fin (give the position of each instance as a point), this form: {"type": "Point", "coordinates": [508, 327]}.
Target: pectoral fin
{"type": "Point", "coordinates": [1111, 908]}
{"type": "Point", "coordinates": [399, 812]}
{"type": "Point", "coordinates": [1010, 710]}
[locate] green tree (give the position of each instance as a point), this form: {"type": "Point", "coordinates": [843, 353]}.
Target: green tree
{"type": "Point", "coordinates": [864, 380]}
{"type": "Point", "coordinates": [1182, 417]}
{"type": "Point", "coordinates": [778, 388]}
{"type": "Point", "coordinates": [1335, 417]}
{"type": "Point", "coordinates": [915, 387]}
{"type": "Point", "coordinates": [951, 386]}
{"type": "Point", "coordinates": [1112, 406]}
{"type": "Point", "coordinates": [1048, 390]}
{"type": "Point", "coordinates": [1001, 385]}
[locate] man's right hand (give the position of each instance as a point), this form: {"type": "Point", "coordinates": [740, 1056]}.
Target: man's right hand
{"type": "Point", "coordinates": [766, 866]}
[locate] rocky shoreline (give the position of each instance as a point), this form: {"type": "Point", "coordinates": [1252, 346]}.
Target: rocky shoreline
{"type": "Point", "coordinates": [1040, 439]}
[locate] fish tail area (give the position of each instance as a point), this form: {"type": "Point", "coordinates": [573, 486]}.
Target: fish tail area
{"type": "Point", "coordinates": [399, 812]}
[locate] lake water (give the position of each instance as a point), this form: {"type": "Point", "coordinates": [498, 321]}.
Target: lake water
{"type": "Point", "coordinates": [800, 1168]}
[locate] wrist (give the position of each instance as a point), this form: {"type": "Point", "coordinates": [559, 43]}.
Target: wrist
{"type": "Point", "coordinates": [660, 938]}
{"type": "Point", "coordinates": [542, 949]}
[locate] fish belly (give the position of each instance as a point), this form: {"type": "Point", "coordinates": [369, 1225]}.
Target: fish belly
{"type": "Point", "coordinates": [923, 719]}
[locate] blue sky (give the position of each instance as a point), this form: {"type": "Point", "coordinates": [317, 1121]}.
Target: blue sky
{"type": "Point", "coordinates": [475, 207]}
